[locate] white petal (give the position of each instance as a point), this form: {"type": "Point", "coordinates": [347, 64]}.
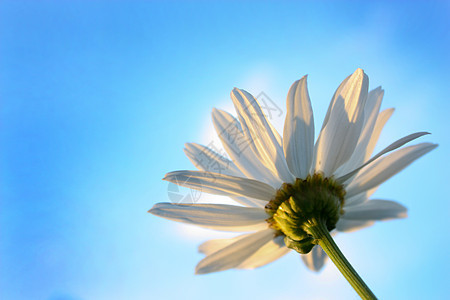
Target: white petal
{"type": "Point", "coordinates": [371, 110]}
{"type": "Point", "coordinates": [265, 140]}
{"type": "Point", "coordinates": [375, 210]}
{"type": "Point", "coordinates": [238, 148]}
{"type": "Point", "coordinates": [214, 216]}
{"type": "Point", "coordinates": [344, 225]}
{"type": "Point", "coordinates": [333, 100]}
{"type": "Point", "coordinates": [339, 137]}
{"type": "Point", "coordinates": [355, 200]}
{"type": "Point", "coordinates": [359, 198]}
{"type": "Point", "coordinates": [220, 184]}
{"type": "Point", "coordinates": [236, 253]}
{"type": "Point", "coordinates": [382, 118]}
{"type": "Point", "coordinates": [271, 251]}
{"type": "Point", "coordinates": [206, 159]}
{"type": "Point", "coordinates": [385, 167]}
{"type": "Point", "coordinates": [211, 246]}
{"type": "Point", "coordinates": [250, 202]}
{"type": "Point", "coordinates": [298, 134]}
{"type": "Point", "coordinates": [395, 145]}
{"type": "Point", "coordinates": [315, 259]}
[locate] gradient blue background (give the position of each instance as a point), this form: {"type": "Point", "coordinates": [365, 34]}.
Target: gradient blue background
{"type": "Point", "coordinates": [98, 98]}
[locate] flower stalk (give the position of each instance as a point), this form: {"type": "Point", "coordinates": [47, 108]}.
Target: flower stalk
{"type": "Point", "coordinates": [324, 239]}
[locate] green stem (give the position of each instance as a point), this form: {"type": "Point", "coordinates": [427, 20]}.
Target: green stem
{"type": "Point", "coordinates": [320, 232]}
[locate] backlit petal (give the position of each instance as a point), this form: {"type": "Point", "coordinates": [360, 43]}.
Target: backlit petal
{"type": "Point", "coordinates": [235, 254]}
{"type": "Point", "coordinates": [215, 216]}
{"type": "Point", "coordinates": [298, 134]}
{"type": "Point", "coordinates": [238, 148]}
{"type": "Point", "coordinates": [339, 137]}
{"type": "Point", "coordinates": [265, 141]}
{"type": "Point", "coordinates": [376, 210]}
{"type": "Point", "coordinates": [220, 184]}
{"type": "Point", "coordinates": [345, 225]}
{"type": "Point", "coordinates": [386, 167]}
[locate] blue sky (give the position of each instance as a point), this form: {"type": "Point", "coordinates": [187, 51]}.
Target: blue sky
{"type": "Point", "coordinates": [98, 98]}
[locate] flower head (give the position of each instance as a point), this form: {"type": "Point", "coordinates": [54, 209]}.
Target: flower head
{"type": "Point", "coordinates": [284, 186]}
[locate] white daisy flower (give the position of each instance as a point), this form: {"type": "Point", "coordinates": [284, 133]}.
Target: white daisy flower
{"type": "Point", "coordinates": [281, 184]}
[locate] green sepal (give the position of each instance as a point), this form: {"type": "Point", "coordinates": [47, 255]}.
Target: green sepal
{"type": "Point", "coordinates": [303, 204]}
{"type": "Point", "coordinates": [289, 220]}
{"type": "Point", "coordinates": [304, 246]}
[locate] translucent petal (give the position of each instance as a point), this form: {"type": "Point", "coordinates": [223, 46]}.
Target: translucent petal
{"type": "Point", "coordinates": [206, 159]}
{"type": "Point", "coordinates": [382, 119]}
{"type": "Point", "coordinates": [234, 254]}
{"type": "Point", "coordinates": [315, 260]}
{"type": "Point", "coordinates": [220, 184]}
{"type": "Point", "coordinates": [386, 167]}
{"type": "Point", "coordinates": [211, 246]}
{"type": "Point", "coordinates": [338, 139]}
{"type": "Point", "coordinates": [298, 134]}
{"type": "Point", "coordinates": [265, 140]}
{"type": "Point", "coordinates": [371, 110]}
{"type": "Point", "coordinates": [238, 148]}
{"type": "Point", "coordinates": [214, 216]}
{"type": "Point", "coordinates": [333, 100]}
{"type": "Point", "coordinates": [375, 210]}
{"type": "Point", "coordinates": [345, 225]}
{"type": "Point", "coordinates": [395, 145]}
{"type": "Point", "coordinates": [355, 200]}
{"type": "Point", "coordinates": [271, 251]}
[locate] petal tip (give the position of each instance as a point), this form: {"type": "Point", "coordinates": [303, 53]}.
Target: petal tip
{"type": "Point", "coordinates": [235, 90]}
{"type": "Point", "coordinates": [403, 215]}
{"type": "Point", "coordinates": [359, 71]}
{"type": "Point", "coordinates": [359, 76]}
{"type": "Point", "coordinates": [153, 209]}
{"type": "Point", "coordinates": [236, 95]}
{"type": "Point", "coordinates": [200, 271]}
{"type": "Point", "coordinates": [303, 81]}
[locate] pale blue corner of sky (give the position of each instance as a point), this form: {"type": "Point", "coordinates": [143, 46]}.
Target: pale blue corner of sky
{"type": "Point", "coordinates": [99, 97]}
